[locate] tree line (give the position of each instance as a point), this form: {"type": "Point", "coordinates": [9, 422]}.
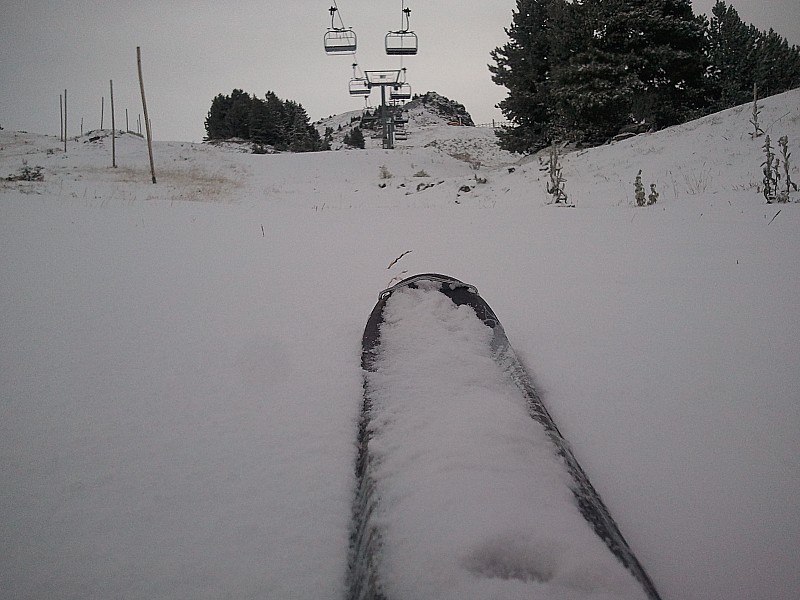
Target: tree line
{"type": "Point", "coordinates": [586, 70]}
{"type": "Point", "coordinates": [268, 121]}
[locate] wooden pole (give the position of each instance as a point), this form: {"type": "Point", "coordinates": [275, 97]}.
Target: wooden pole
{"type": "Point", "coordinates": [61, 116]}
{"type": "Point", "coordinates": [102, 109]}
{"type": "Point", "coordinates": [65, 120]}
{"type": "Point", "coordinates": [113, 128]}
{"type": "Point", "coordinates": [127, 127]}
{"type": "Point", "coordinates": [144, 109]}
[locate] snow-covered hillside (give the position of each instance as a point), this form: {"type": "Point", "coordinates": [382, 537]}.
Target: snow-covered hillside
{"type": "Point", "coordinates": [179, 363]}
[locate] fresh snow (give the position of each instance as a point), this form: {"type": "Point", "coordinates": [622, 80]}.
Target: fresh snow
{"type": "Point", "coordinates": [180, 380]}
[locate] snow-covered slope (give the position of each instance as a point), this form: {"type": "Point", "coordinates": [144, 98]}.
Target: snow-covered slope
{"type": "Point", "coordinates": [179, 362]}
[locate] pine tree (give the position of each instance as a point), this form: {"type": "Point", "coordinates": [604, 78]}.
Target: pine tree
{"type": "Point", "coordinates": [730, 50]}
{"type": "Point", "coordinates": [283, 125]}
{"type": "Point", "coordinates": [296, 127]}
{"type": "Point", "coordinates": [592, 97]}
{"type": "Point", "coordinates": [237, 119]}
{"type": "Point", "coordinates": [581, 70]}
{"type": "Point", "coordinates": [355, 139]}
{"type": "Point", "coordinates": [661, 44]}
{"type": "Point", "coordinates": [216, 121]}
{"type": "Point", "coordinates": [523, 67]}
{"type": "Point", "coordinates": [740, 56]}
{"type": "Point", "coordinates": [777, 64]}
{"type": "Point", "coordinates": [258, 122]}
{"type": "Point", "coordinates": [275, 115]}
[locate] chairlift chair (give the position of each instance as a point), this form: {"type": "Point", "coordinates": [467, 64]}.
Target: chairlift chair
{"type": "Point", "coordinates": [340, 41]}
{"type": "Point", "coordinates": [401, 91]}
{"type": "Point", "coordinates": [359, 86]}
{"type": "Point", "coordinates": [401, 43]}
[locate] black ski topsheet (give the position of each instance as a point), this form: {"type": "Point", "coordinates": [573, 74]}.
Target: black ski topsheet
{"type": "Point", "coordinates": [364, 577]}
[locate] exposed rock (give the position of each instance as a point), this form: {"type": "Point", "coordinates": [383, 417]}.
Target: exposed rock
{"type": "Point", "coordinates": [451, 110]}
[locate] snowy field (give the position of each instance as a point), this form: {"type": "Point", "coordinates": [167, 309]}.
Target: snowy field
{"type": "Point", "coordinates": [180, 375]}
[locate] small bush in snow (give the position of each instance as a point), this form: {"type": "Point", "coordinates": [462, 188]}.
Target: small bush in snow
{"type": "Point", "coordinates": [652, 197]}
{"type": "Point", "coordinates": [638, 188]}
{"type": "Point", "coordinates": [783, 196]}
{"type": "Point", "coordinates": [757, 131]}
{"type": "Point", "coordinates": [698, 181]}
{"type": "Point", "coordinates": [771, 174]}
{"type": "Point", "coordinates": [385, 173]}
{"type": "Point", "coordinates": [27, 173]}
{"type": "Point", "coordinates": [555, 187]}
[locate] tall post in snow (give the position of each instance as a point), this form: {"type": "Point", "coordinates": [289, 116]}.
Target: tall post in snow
{"type": "Point", "coordinates": [144, 109]}
{"type": "Point", "coordinates": [65, 120]}
{"type": "Point", "coordinates": [113, 128]}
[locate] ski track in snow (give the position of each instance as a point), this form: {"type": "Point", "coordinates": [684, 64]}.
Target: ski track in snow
{"type": "Point", "coordinates": [179, 363]}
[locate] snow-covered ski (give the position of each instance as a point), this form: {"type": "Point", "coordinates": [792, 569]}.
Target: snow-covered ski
{"type": "Point", "coordinates": [460, 494]}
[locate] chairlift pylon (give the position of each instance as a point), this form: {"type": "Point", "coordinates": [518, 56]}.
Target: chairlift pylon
{"type": "Point", "coordinates": [339, 40]}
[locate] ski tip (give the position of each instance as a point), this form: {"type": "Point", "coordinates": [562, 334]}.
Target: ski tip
{"type": "Point", "coordinates": [414, 279]}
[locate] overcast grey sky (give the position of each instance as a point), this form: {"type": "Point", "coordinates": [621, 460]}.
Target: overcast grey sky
{"type": "Point", "coordinates": [194, 49]}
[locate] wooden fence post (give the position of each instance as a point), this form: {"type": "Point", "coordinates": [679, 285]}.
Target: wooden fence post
{"type": "Point", "coordinates": [65, 120]}
{"type": "Point", "coordinates": [113, 128]}
{"type": "Point", "coordinates": [61, 116]}
{"type": "Point", "coordinates": [144, 109]}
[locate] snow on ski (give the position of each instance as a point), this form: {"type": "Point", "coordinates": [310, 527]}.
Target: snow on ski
{"type": "Point", "coordinates": [466, 488]}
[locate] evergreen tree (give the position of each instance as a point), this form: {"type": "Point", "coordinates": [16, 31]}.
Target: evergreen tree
{"type": "Point", "coordinates": [275, 118]}
{"type": "Point", "coordinates": [216, 121]}
{"type": "Point", "coordinates": [284, 125]}
{"type": "Point", "coordinates": [523, 67]}
{"type": "Point", "coordinates": [661, 43]}
{"type": "Point", "coordinates": [297, 128]}
{"type": "Point", "coordinates": [581, 70]}
{"type": "Point", "coordinates": [237, 119]}
{"type": "Point", "coordinates": [591, 85]}
{"type": "Point", "coordinates": [592, 96]}
{"type": "Point", "coordinates": [740, 55]}
{"type": "Point", "coordinates": [258, 122]}
{"type": "Point", "coordinates": [730, 49]}
{"type": "Point", "coordinates": [778, 64]}
{"type": "Point", "coordinates": [355, 139]}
